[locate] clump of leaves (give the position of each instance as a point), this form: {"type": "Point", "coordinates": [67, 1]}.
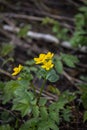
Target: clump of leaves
{"type": "Point", "coordinates": [6, 49]}
{"type": "Point", "coordinates": [79, 37]}
{"type": "Point", "coordinates": [57, 29]}
{"type": "Point", "coordinates": [22, 93]}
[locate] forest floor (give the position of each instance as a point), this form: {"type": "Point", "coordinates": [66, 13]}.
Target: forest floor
{"type": "Point", "coordinates": [31, 14]}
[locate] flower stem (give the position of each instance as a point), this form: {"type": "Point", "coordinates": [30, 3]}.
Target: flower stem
{"type": "Point", "coordinates": [42, 88]}
{"type": "Point", "coordinates": [34, 89]}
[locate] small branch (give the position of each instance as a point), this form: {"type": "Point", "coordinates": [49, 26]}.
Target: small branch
{"type": "Point", "coordinates": [21, 16]}
{"type": "Point", "coordinates": [27, 17]}
{"type": "Point", "coordinates": [6, 73]}
{"type": "Point", "coordinates": [8, 5]}
{"type": "Point", "coordinates": [72, 80]}
{"type": "Point", "coordinates": [34, 35]}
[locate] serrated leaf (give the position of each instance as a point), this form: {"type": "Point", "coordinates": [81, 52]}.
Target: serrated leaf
{"type": "Point", "coordinates": [6, 127]}
{"type": "Point", "coordinates": [42, 101]}
{"type": "Point", "coordinates": [30, 124]}
{"type": "Point", "coordinates": [54, 116]}
{"type": "Point", "coordinates": [6, 49]}
{"type": "Point", "coordinates": [23, 108]}
{"type": "Point", "coordinates": [13, 88]}
{"type": "Point", "coordinates": [53, 90]}
{"type": "Point", "coordinates": [35, 111]}
{"type": "Point", "coordinates": [47, 124]}
{"type": "Point", "coordinates": [9, 90]}
{"type": "Point", "coordinates": [69, 60]}
{"type": "Point", "coordinates": [43, 112]}
{"type": "Point", "coordinates": [24, 102]}
{"type": "Point", "coordinates": [66, 114]}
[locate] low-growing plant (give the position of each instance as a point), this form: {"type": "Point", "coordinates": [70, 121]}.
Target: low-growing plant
{"type": "Point", "coordinates": [22, 99]}
{"type": "Point", "coordinates": [78, 36]}
{"type": "Point", "coordinates": [59, 31]}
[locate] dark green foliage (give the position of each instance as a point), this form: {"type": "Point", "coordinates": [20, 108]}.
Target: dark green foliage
{"type": "Point", "coordinates": [6, 127]}
{"type": "Point", "coordinates": [6, 49]}
{"type": "Point", "coordinates": [69, 60]}
{"type": "Point", "coordinates": [79, 37]}
{"type": "Point", "coordinates": [52, 76]}
{"type": "Point", "coordinates": [23, 31]}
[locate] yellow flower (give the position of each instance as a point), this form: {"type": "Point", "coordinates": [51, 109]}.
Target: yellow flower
{"type": "Point", "coordinates": [48, 65]}
{"type": "Point", "coordinates": [49, 55]}
{"type": "Point", "coordinates": [17, 70]}
{"type": "Point", "coordinates": [41, 59]}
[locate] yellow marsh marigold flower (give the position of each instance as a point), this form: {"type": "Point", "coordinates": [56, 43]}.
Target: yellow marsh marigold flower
{"type": "Point", "coordinates": [40, 60]}
{"type": "Point", "coordinates": [49, 55]}
{"type": "Point", "coordinates": [48, 65]}
{"type": "Point", "coordinates": [43, 58]}
{"type": "Point", "coordinates": [17, 70]}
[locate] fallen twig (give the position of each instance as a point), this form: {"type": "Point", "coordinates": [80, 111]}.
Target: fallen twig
{"type": "Point", "coordinates": [45, 37]}
{"type": "Point", "coordinates": [6, 73]}
{"type": "Point", "coordinates": [34, 35]}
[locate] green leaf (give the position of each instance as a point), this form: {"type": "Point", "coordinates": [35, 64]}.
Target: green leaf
{"type": "Point", "coordinates": [66, 114]}
{"type": "Point", "coordinates": [67, 96]}
{"type": "Point", "coordinates": [47, 125]}
{"type": "Point", "coordinates": [47, 20]}
{"type": "Point", "coordinates": [42, 101]}
{"type": "Point", "coordinates": [54, 90]}
{"type": "Point", "coordinates": [6, 127]}
{"type": "Point", "coordinates": [52, 76]}
{"type": "Point", "coordinates": [43, 113]}
{"type": "Point", "coordinates": [30, 62]}
{"type": "Point", "coordinates": [84, 78]}
{"type": "Point", "coordinates": [35, 111]}
{"type": "Point", "coordinates": [69, 60]}
{"type": "Point", "coordinates": [80, 21]}
{"type": "Point", "coordinates": [41, 73]}
{"type": "Point", "coordinates": [54, 116]}
{"type": "Point", "coordinates": [6, 49]}
{"type": "Point", "coordinates": [25, 108]}
{"type": "Point", "coordinates": [23, 102]}
{"type": "Point", "coordinates": [23, 31]}
{"type": "Point", "coordinates": [85, 116]}
{"type": "Point", "coordinates": [13, 87]}
{"type": "Point", "coordinates": [30, 124]}
{"type": "Point", "coordinates": [79, 39]}
{"type": "Point", "coordinates": [83, 9]}
{"type": "Point", "coordinates": [9, 90]}
{"type": "Point", "coordinates": [59, 66]}
{"type": "Point", "coordinates": [83, 87]}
